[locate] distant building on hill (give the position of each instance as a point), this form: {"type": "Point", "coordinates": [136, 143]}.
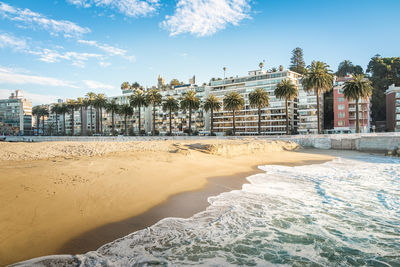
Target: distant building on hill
{"type": "Point", "coordinates": [345, 110]}
{"type": "Point", "coordinates": [16, 112]}
{"type": "Point", "coordinates": [393, 108]}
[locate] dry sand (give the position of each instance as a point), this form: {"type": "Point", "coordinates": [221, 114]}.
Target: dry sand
{"type": "Point", "coordinates": [52, 194]}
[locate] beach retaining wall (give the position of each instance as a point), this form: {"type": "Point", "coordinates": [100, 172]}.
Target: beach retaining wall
{"type": "Point", "coordinates": [373, 142]}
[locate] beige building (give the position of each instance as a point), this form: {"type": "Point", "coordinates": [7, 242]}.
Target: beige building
{"type": "Point", "coordinates": [16, 113]}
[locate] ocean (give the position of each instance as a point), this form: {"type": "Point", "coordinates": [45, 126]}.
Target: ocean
{"type": "Point", "coordinates": [345, 212]}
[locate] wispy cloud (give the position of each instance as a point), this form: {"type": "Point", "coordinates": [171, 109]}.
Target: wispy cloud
{"type": "Point", "coordinates": [110, 50]}
{"type": "Point", "coordinates": [98, 85]}
{"type": "Point", "coordinates": [205, 17]}
{"type": "Point", "coordinates": [37, 99]}
{"type": "Point", "coordinates": [77, 59]}
{"type": "Point", "coordinates": [130, 8]}
{"type": "Point", "coordinates": [10, 41]}
{"type": "Point", "coordinates": [10, 76]}
{"type": "Point", "coordinates": [28, 18]}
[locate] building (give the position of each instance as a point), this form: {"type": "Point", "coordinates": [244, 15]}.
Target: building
{"type": "Point", "coordinates": [393, 108]}
{"type": "Point", "coordinates": [345, 110]}
{"type": "Point", "coordinates": [273, 117]}
{"type": "Point", "coordinates": [16, 112]}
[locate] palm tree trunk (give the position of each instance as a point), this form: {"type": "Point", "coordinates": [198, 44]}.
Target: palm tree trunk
{"type": "Point", "coordinates": [154, 120]}
{"type": "Point", "coordinates": [38, 124]}
{"type": "Point", "coordinates": [234, 127]}
{"type": "Point", "coordinates": [126, 128]}
{"type": "Point", "coordinates": [112, 122]}
{"type": "Point", "coordinates": [212, 121]}
{"type": "Point", "coordinates": [259, 120]}
{"type": "Point", "coordinates": [287, 116]}
{"type": "Point", "coordinates": [64, 123]}
{"type": "Point", "coordinates": [357, 118]}
{"type": "Point", "coordinates": [43, 126]}
{"type": "Point", "coordinates": [73, 122]}
{"type": "Point", "coordinates": [190, 121]}
{"type": "Point", "coordinates": [81, 120]}
{"type": "Point", "coordinates": [101, 120]}
{"type": "Point", "coordinates": [139, 121]}
{"type": "Point", "coordinates": [56, 124]}
{"type": "Point", "coordinates": [170, 122]}
{"type": "Point", "coordinates": [91, 118]}
{"type": "Point", "coordinates": [318, 113]}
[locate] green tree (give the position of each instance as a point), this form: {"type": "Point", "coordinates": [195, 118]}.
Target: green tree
{"type": "Point", "coordinates": [55, 109]}
{"type": "Point", "coordinates": [112, 107]}
{"type": "Point", "coordinates": [125, 86]}
{"type": "Point", "coordinates": [356, 89]}
{"type": "Point", "coordinates": [80, 103]}
{"type": "Point", "coordinates": [212, 104]}
{"type": "Point", "coordinates": [43, 113]}
{"type": "Point", "coordinates": [72, 105]}
{"type": "Point", "coordinates": [36, 111]}
{"type": "Point", "coordinates": [125, 110]}
{"type": "Point", "coordinates": [135, 85]}
{"type": "Point", "coordinates": [174, 82]}
{"type": "Point", "coordinates": [154, 98]}
{"type": "Point", "coordinates": [90, 99]}
{"type": "Point", "coordinates": [259, 99]}
{"type": "Point", "coordinates": [288, 90]}
{"type": "Point", "coordinates": [100, 102]}
{"type": "Point", "coordinates": [297, 63]}
{"type": "Point", "coordinates": [138, 100]}
{"type": "Point", "coordinates": [384, 72]}
{"type": "Point", "coordinates": [171, 105]}
{"type": "Point", "coordinates": [190, 102]}
{"type": "Point", "coordinates": [233, 102]}
{"type": "Point", "coordinates": [346, 67]}
{"type": "Point", "coordinates": [318, 78]}
{"type": "Point", "coordinates": [63, 111]}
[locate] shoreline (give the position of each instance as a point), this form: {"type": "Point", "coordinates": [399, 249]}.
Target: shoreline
{"type": "Point", "coordinates": [51, 205]}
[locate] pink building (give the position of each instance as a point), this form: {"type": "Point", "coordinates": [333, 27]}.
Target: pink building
{"type": "Point", "coordinates": [393, 108]}
{"type": "Point", "coordinates": [345, 110]}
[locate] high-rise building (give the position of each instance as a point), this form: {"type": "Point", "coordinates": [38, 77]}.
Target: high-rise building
{"type": "Point", "coordinates": [16, 112]}
{"type": "Point", "coordinates": [345, 110]}
{"type": "Point", "coordinates": [393, 108]}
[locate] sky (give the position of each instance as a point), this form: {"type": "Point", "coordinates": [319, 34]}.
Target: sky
{"type": "Point", "coordinates": [54, 49]}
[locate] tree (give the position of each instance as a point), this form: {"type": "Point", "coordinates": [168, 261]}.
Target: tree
{"type": "Point", "coordinates": [125, 86]}
{"type": "Point", "coordinates": [80, 103]}
{"type": "Point", "coordinates": [154, 98]}
{"type": "Point", "coordinates": [135, 85]}
{"type": "Point", "coordinates": [224, 68]}
{"type": "Point", "coordinates": [90, 98]}
{"type": "Point", "coordinates": [100, 102]}
{"type": "Point", "coordinates": [318, 78]}
{"type": "Point", "coordinates": [112, 107]}
{"type": "Point", "coordinates": [287, 90]}
{"type": "Point", "coordinates": [212, 104]}
{"type": "Point", "coordinates": [71, 104]}
{"type": "Point", "coordinates": [346, 67]}
{"type": "Point", "coordinates": [36, 111]}
{"type": "Point", "coordinates": [190, 102]}
{"type": "Point", "coordinates": [170, 105]}
{"type": "Point", "coordinates": [297, 63]}
{"type": "Point", "coordinates": [138, 100]}
{"type": "Point", "coordinates": [261, 65]}
{"type": "Point", "coordinates": [174, 82]}
{"type": "Point", "coordinates": [63, 111]}
{"type": "Point", "coordinates": [233, 102]}
{"type": "Point", "coordinates": [259, 99]}
{"type": "Point", "coordinates": [43, 112]}
{"type": "Point", "coordinates": [384, 72]}
{"type": "Point", "coordinates": [56, 110]}
{"type": "Point", "coordinates": [125, 110]}
{"type": "Point", "coordinates": [356, 89]}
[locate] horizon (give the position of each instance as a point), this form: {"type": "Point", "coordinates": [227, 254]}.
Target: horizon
{"type": "Point", "coordinates": [66, 48]}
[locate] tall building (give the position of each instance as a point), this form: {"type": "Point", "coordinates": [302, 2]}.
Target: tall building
{"type": "Point", "coordinates": [273, 117]}
{"type": "Point", "coordinates": [345, 110]}
{"type": "Point", "coordinates": [393, 108]}
{"type": "Point", "coordinates": [16, 112]}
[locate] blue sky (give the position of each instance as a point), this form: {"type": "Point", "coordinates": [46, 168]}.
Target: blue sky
{"type": "Point", "coordinates": [65, 48]}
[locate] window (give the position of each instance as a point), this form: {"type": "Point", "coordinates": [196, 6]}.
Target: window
{"type": "Point", "coordinates": [340, 107]}
{"type": "Point", "coordinates": [341, 115]}
{"type": "Point", "coordinates": [398, 109]}
{"type": "Point", "coordinates": [398, 95]}
{"type": "Point", "coordinates": [341, 99]}
{"type": "Point", "coordinates": [341, 123]}
{"type": "Point", "coordinates": [398, 117]}
{"type": "Point", "coordinates": [340, 91]}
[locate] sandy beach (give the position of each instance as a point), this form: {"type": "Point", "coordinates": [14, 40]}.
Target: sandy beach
{"type": "Point", "coordinates": [71, 197]}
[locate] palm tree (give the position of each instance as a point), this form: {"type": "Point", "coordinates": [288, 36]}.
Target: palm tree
{"type": "Point", "coordinates": [154, 98]}
{"type": "Point", "coordinates": [259, 98]}
{"type": "Point", "coordinates": [357, 88]}
{"type": "Point", "coordinates": [43, 112]}
{"type": "Point", "coordinates": [80, 103]}
{"type": "Point", "coordinates": [170, 105]}
{"type": "Point", "coordinates": [224, 68]}
{"type": "Point", "coordinates": [287, 90]}
{"type": "Point", "coordinates": [233, 101]}
{"type": "Point", "coordinates": [212, 104]}
{"type": "Point", "coordinates": [63, 111]}
{"type": "Point", "coordinates": [190, 102]}
{"type": "Point", "coordinates": [318, 78]}
{"type": "Point", "coordinates": [112, 107]}
{"type": "Point", "coordinates": [36, 112]}
{"type": "Point", "coordinates": [56, 110]}
{"type": "Point", "coordinates": [125, 110]}
{"type": "Point", "coordinates": [90, 98]}
{"type": "Point", "coordinates": [71, 105]}
{"type": "Point", "coordinates": [138, 100]}
{"type": "Point", "coordinates": [125, 85]}
{"type": "Point", "coordinates": [101, 102]}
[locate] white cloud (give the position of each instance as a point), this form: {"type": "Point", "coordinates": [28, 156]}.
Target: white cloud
{"type": "Point", "coordinates": [205, 17]}
{"type": "Point", "coordinates": [110, 50]}
{"type": "Point", "coordinates": [10, 76]}
{"type": "Point", "coordinates": [104, 64]}
{"type": "Point", "coordinates": [77, 59]}
{"type": "Point", "coordinates": [130, 8]}
{"type": "Point", "coordinates": [13, 42]}
{"type": "Point", "coordinates": [37, 99]}
{"type": "Point", "coordinates": [98, 85]}
{"type": "Point", "coordinates": [34, 20]}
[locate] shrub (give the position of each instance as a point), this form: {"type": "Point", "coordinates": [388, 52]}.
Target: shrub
{"type": "Point", "coordinates": [229, 132]}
